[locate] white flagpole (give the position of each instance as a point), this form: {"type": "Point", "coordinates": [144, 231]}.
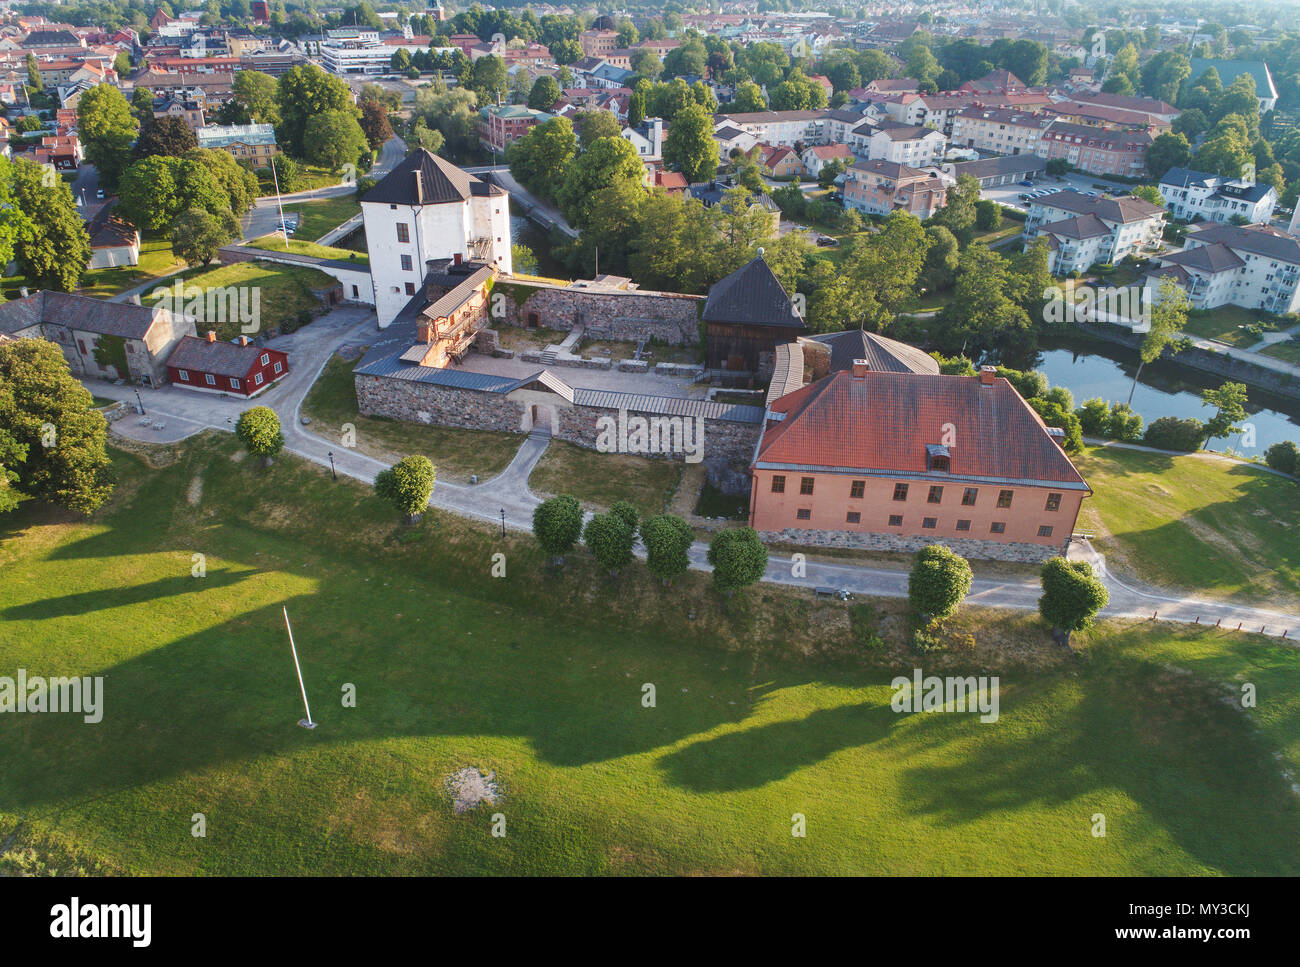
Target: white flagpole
{"type": "Point", "coordinates": [306, 723]}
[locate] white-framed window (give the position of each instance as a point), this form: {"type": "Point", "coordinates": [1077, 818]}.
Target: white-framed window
{"type": "Point", "coordinates": [184, 375]}
{"type": "Point", "coordinates": [278, 367]}
{"type": "Point", "coordinates": [234, 383]}
{"type": "Point", "coordinates": [210, 379]}
{"type": "Point", "coordinates": [266, 358]}
{"type": "Point", "coordinates": [258, 379]}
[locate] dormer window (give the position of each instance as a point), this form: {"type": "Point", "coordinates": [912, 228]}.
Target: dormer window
{"type": "Point", "coordinates": [937, 458]}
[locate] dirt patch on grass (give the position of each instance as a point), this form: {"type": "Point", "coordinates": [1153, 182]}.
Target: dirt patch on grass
{"type": "Point", "coordinates": [156, 455]}
{"type": "Point", "coordinates": [469, 788]}
{"type": "Point", "coordinates": [194, 492]}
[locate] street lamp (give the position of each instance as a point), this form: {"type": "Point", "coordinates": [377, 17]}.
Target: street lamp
{"type": "Point", "coordinates": [139, 402]}
{"type": "Point", "coordinates": [332, 470]}
{"type": "Point", "coordinates": [503, 522]}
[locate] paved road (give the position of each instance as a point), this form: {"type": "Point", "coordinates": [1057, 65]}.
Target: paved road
{"type": "Point", "coordinates": [185, 413]}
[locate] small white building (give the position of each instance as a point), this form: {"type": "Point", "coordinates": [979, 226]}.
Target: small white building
{"type": "Point", "coordinates": [424, 209]}
{"type": "Point", "coordinates": [906, 144]}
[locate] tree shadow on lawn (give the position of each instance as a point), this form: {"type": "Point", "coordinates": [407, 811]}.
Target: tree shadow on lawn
{"type": "Point", "coordinates": [106, 599]}
{"type": "Point", "coordinates": [1164, 741]}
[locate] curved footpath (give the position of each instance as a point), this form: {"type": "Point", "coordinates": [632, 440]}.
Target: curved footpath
{"type": "Point", "coordinates": [187, 413]}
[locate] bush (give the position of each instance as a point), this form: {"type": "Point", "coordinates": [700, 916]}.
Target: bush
{"type": "Point", "coordinates": [1029, 383]}
{"type": "Point", "coordinates": [866, 627]}
{"type": "Point", "coordinates": [940, 579]}
{"type": "Point", "coordinates": [557, 523]}
{"type": "Point", "coordinates": [1124, 425]}
{"type": "Point", "coordinates": [738, 558]}
{"type": "Point", "coordinates": [1172, 433]}
{"type": "Point", "coordinates": [610, 539]}
{"type": "Point", "coordinates": [258, 430]}
{"type": "Point", "coordinates": [626, 512]}
{"type": "Point", "coordinates": [408, 485]}
{"type": "Point", "coordinates": [1284, 457]}
{"type": "Point", "coordinates": [1094, 417]}
{"type": "Point", "coordinates": [667, 540]}
{"type": "Point", "coordinates": [1072, 596]}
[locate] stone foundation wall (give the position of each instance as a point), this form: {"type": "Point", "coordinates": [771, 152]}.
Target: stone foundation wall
{"type": "Point", "coordinates": [723, 439]}
{"type": "Point", "coordinates": [414, 402]}
{"type": "Point", "coordinates": [966, 547]}
{"type": "Point", "coordinates": [669, 317]}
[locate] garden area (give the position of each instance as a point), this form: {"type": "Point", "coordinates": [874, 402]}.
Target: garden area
{"type": "Point", "coordinates": [1226, 324]}
{"type": "Point", "coordinates": [316, 218]}
{"type": "Point", "coordinates": [275, 243]}
{"type": "Point", "coordinates": [769, 703]}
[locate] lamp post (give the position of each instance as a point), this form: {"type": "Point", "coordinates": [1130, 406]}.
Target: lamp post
{"type": "Point", "coordinates": [332, 470]}
{"type": "Point", "coordinates": [503, 522]}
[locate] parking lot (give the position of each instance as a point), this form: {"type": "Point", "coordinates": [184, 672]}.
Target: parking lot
{"type": "Point", "coordinates": [1009, 195]}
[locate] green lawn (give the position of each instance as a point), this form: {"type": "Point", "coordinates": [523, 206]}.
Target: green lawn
{"type": "Point", "coordinates": [332, 402]}
{"type": "Point", "coordinates": [599, 479]}
{"type": "Point", "coordinates": [275, 243]}
{"type": "Point", "coordinates": [1215, 528]}
{"type": "Point", "coordinates": [319, 217]}
{"type": "Point", "coordinates": [312, 176]}
{"type": "Point", "coordinates": [1288, 351]}
{"type": "Point", "coordinates": [1225, 324]}
{"type": "Point", "coordinates": [156, 260]}
{"type": "Point", "coordinates": [537, 677]}
{"type": "Point", "coordinates": [284, 292]}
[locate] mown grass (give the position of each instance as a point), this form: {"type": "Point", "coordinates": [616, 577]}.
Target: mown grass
{"type": "Point", "coordinates": [156, 260]}
{"type": "Point", "coordinates": [332, 402]}
{"type": "Point", "coordinates": [319, 217]}
{"type": "Point", "coordinates": [1207, 526]}
{"type": "Point", "coordinates": [600, 479]}
{"type": "Point", "coordinates": [275, 243]}
{"type": "Point", "coordinates": [765, 707]}
{"type": "Point", "coordinates": [1287, 350]}
{"type": "Point", "coordinates": [1226, 324]}
{"type": "Point", "coordinates": [285, 293]}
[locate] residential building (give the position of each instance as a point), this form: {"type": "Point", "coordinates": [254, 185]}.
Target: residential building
{"type": "Point", "coordinates": [598, 43]}
{"type": "Point", "coordinates": [880, 187]}
{"type": "Point", "coordinates": [648, 139]}
{"type": "Point", "coordinates": [780, 162]}
{"type": "Point", "coordinates": [1084, 230]}
{"type": "Point", "coordinates": [191, 112]}
{"type": "Point", "coordinates": [500, 126]}
{"type": "Point", "coordinates": [1096, 151]}
{"type": "Point", "coordinates": [999, 130]}
{"type": "Point", "coordinates": [906, 144]}
{"type": "Point", "coordinates": [777, 128]}
{"type": "Point", "coordinates": [236, 368]}
{"type": "Point", "coordinates": [1198, 195]}
{"type": "Point", "coordinates": [254, 142]}
{"type": "Point", "coordinates": [425, 209]}
{"type": "Point", "coordinates": [818, 156]}
{"type": "Point", "coordinates": [1253, 266]}
{"type": "Point", "coordinates": [113, 240]}
{"type": "Point", "coordinates": [899, 460]}
{"type": "Point", "coordinates": [78, 324]}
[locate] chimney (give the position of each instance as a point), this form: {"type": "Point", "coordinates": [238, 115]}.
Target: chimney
{"type": "Point", "coordinates": [987, 375]}
{"type": "Point", "coordinates": [244, 340]}
{"type": "Point", "coordinates": [455, 259]}
{"type": "Point", "coordinates": [860, 368]}
{"type": "Point", "coordinates": [212, 336]}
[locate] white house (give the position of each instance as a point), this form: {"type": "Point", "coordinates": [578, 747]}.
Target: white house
{"type": "Point", "coordinates": [1085, 229]}
{"type": "Point", "coordinates": [1253, 266]}
{"type": "Point", "coordinates": [648, 139]}
{"type": "Point", "coordinates": [1213, 198]}
{"type": "Point", "coordinates": [426, 208]}
{"type": "Point", "coordinates": [906, 144]}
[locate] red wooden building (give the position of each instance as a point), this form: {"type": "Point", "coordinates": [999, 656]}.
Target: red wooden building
{"type": "Point", "coordinates": [236, 367]}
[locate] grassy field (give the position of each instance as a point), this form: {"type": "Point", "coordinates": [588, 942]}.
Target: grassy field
{"type": "Point", "coordinates": [599, 479]}
{"type": "Point", "coordinates": [332, 402]}
{"type": "Point", "coordinates": [1288, 351]}
{"type": "Point", "coordinates": [319, 217]}
{"type": "Point", "coordinates": [284, 292]}
{"type": "Point", "coordinates": [1214, 528]}
{"type": "Point", "coordinates": [765, 708]}
{"type": "Point", "coordinates": [1226, 324]}
{"type": "Point", "coordinates": [275, 243]}
{"type": "Point", "coordinates": [156, 260]}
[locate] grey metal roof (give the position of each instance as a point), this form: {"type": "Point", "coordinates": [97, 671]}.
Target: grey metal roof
{"type": "Point", "coordinates": [1256, 239]}
{"type": "Point", "coordinates": [753, 296]}
{"type": "Point", "coordinates": [79, 312]}
{"type": "Point", "coordinates": [881, 353]}
{"type": "Point", "coordinates": [668, 405]}
{"type": "Point", "coordinates": [439, 181]}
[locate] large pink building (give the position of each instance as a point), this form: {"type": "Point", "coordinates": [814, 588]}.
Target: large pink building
{"type": "Point", "coordinates": [898, 460]}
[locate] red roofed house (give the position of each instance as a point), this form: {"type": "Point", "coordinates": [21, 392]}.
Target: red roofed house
{"type": "Point", "coordinates": [781, 162]}
{"type": "Point", "coordinates": [819, 156]}
{"type": "Point", "coordinates": [898, 460]}
{"type": "Point", "coordinates": [673, 182]}
{"type": "Point", "coordinates": [225, 367]}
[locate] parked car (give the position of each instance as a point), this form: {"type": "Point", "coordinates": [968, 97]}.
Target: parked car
{"type": "Point", "coordinates": [1028, 183]}
{"type": "Point", "coordinates": [99, 193]}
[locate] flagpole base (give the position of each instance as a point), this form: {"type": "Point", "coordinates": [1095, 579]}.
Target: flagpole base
{"type": "Point", "coordinates": [306, 724]}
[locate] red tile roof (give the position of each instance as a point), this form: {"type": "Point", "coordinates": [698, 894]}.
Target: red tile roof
{"type": "Point", "coordinates": [883, 422]}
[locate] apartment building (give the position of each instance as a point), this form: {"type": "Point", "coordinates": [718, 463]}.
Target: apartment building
{"type": "Point", "coordinates": [1083, 230]}
{"type": "Point", "coordinates": [906, 144]}
{"type": "Point", "coordinates": [880, 187]}
{"type": "Point", "coordinates": [1096, 151]}
{"type": "Point", "coordinates": [1253, 266]}
{"type": "Point", "coordinates": [1001, 130]}
{"type": "Point", "coordinates": [1192, 195]}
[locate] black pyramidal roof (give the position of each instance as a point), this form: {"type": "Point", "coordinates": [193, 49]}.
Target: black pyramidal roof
{"type": "Point", "coordinates": [422, 178]}
{"type": "Point", "coordinates": [753, 296]}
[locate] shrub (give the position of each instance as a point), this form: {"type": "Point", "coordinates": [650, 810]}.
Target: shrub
{"type": "Point", "coordinates": [627, 512]}
{"type": "Point", "coordinates": [738, 558]}
{"type": "Point", "coordinates": [557, 523]}
{"type": "Point", "coordinates": [667, 540]}
{"type": "Point", "coordinates": [940, 579]}
{"type": "Point", "coordinates": [866, 627]}
{"type": "Point", "coordinates": [1094, 417]}
{"type": "Point", "coordinates": [408, 485]}
{"type": "Point", "coordinates": [1072, 596]}
{"type": "Point", "coordinates": [1172, 433]}
{"type": "Point", "coordinates": [1028, 383]}
{"type": "Point", "coordinates": [1285, 457]}
{"type": "Point", "coordinates": [1124, 424]}
{"type": "Point", "coordinates": [258, 430]}
{"type": "Point", "coordinates": [610, 540]}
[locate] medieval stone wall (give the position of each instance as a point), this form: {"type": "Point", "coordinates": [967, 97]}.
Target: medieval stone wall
{"type": "Point", "coordinates": [401, 399]}
{"type": "Point", "coordinates": [723, 440]}
{"type": "Point", "coordinates": [669, 317]}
